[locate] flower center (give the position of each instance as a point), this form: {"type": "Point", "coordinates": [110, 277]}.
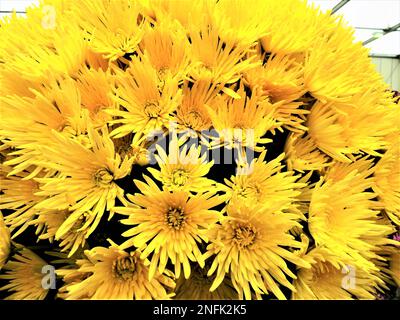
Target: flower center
{"type": "Point", "coordinates": [152, 109]}
{"type": "Point", "coordinates": [175, 217]}
{"type": "Point", "coordinates": [124, 268]}
{"type": "Point", "coordinates": [244, 235]}
{"type": "Point", "coordinates": [252, 192]}
{"type": "Point", "coordinates": [179, 177]}
{"type": "Point", "coordinates": [194, 120]}
{"type": "Point", "coordinates": [103, 177]}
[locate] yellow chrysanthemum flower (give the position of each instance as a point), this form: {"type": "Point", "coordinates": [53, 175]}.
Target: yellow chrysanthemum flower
{"type": "Point", "coordinates": [24, 274]}
{"type": "Point", "coordinates": [326, 130]}
{"type": "Point", "coordinates": [36, 49]}
{"type": "Point", "coordinates": [19, 195]}
{"type": "Point", "coordinates": [56, 107]}
{"type": "Point", "coordinates": [361, 166]}
{"type": "Point", "coordinates": [95, 86]}
{"type": "Point", "coordinates": [86, 182]}
{"type": "Point", "coordinates": [11, 29]}
{"type": "Point", "coordinates": [294, 35]}
{"type": "Point", "coordinates": [328, 75]}
{"type": "Point", "coordinates": [342, 129]}
{"type": "Point", "coordinates": [214, 60]}
{"type": "Point", "coordinates": [183, 169]}
{"type": "Point", "coordinates": [167, 48]}
{"type": "Point", "coordinates": [249, 245]}
{"type": "Point", "coordinates": [387, 261]}
{"type": "Point", "coordinates": [168, 224]}
{"type": "Point", "coordinates": [112, 273]}
{"type": "Point", "coordinates": [363, 132]}
{"type": "Point", "coordinates": [145, 107]}
{"type": "Point", "coordinates": [329, 278]}
{"type": "Point", "coordinates": [342, 216]}
{"type": "Point", "coordinates": [302, 154]}
{"type": "Point", "coordinates": [283, 67]}
{"type": "Point", "coordinates": [240, 25]}
{"type": "Point", "coordinates": [242, 121]}
{"type": "Point", "coordinates": [265, 184]}
{"type": "Point", "coordinates": [192, 116]}
{"type": "Point", "coordinates": [4, 242]}
{"type": "Point", "coordinates": [113, 27]}
{"type": "Point", "coordinates": [48, 223]}
{"type": "Point", "coordinates": [280, 79]}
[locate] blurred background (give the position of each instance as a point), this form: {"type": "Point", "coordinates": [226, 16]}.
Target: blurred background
{"type": "Point", "coordinates": [376, 23]}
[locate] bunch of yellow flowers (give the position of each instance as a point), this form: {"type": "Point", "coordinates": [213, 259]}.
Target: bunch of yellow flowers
{"type": "Point", "coordinates": [178, 149]}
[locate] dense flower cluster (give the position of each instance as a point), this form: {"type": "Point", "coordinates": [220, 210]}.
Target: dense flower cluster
{"type": "Point", "coordinates": [173, 149]}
